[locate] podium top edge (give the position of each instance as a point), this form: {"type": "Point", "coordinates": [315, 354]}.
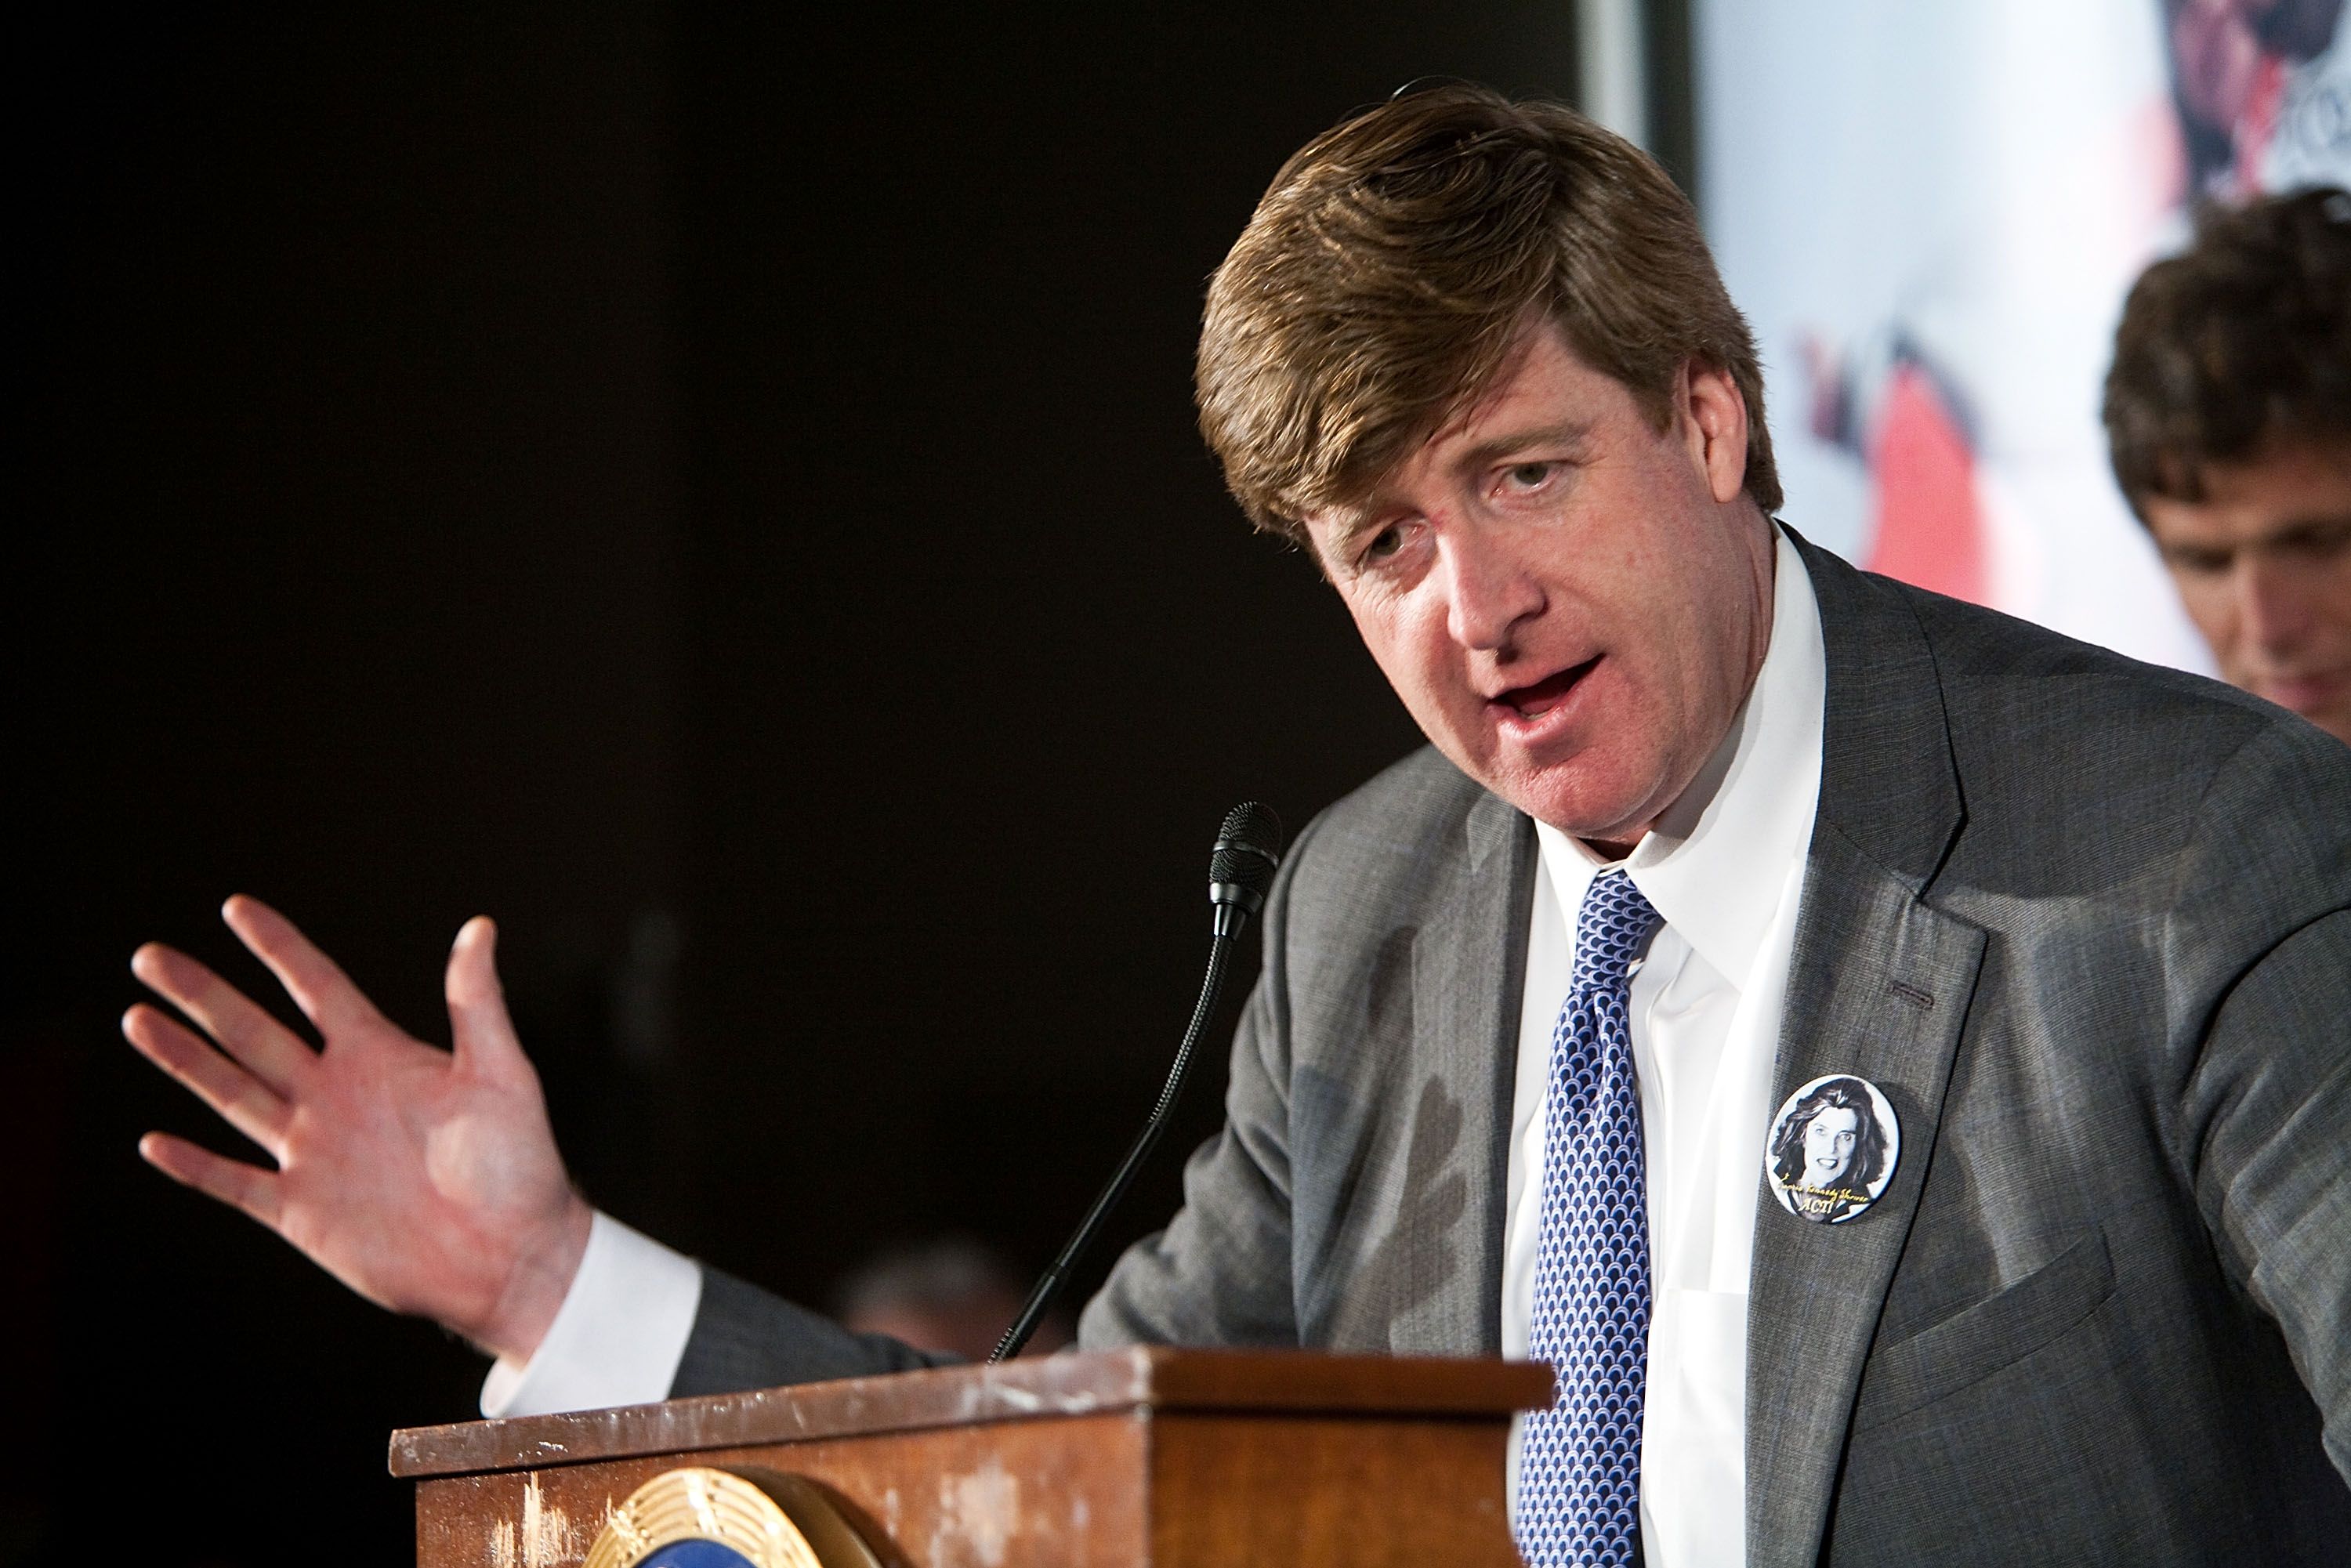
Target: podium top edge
{"type": "Point", "coordinates": [1294, 1383]}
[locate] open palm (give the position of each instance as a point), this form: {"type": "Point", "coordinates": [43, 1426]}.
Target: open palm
{"type": "Point", "coordinates": [426, 1180]}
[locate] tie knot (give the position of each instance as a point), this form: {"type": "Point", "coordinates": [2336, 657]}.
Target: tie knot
{"type": "Point", "coordinates": [1609, 932]}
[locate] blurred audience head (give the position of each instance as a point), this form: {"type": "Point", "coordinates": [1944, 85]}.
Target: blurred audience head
{"type": "Point", "coordinates": [951, 1293]}
{"type": "Point", "coordinates": [2223, 55]}
{"type": "Point", "coordinates": [1399, 258]}
{"type": "Point", "coordinates": [2229, 418]}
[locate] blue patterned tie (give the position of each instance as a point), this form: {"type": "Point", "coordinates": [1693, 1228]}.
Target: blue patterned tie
{"type": "Point", "coordinates": [1580, 1462]}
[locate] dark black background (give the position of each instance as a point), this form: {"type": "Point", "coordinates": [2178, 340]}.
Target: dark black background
{"type": "Point", "coordinates": [712, 487]}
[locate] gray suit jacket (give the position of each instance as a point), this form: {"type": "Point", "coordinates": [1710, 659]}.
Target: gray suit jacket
{"type": "Point", "coordinates": [2086, 923]}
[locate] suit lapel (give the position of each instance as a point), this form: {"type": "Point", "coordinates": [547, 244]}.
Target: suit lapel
{"type": "Point", "coordinates": [1469, 970]}
{"type": "Point", "coordinates": [1879, 986]}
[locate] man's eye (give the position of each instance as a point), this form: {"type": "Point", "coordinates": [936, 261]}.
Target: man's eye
{"type": "Point", "coordinates": [1528, 476]}
{"type": "Point", "coordinates": [2319, 541]}
{"type": "Point", "coordinates": [2198, 562]}
{"type": "Point", "coordinates": [1384, 544]}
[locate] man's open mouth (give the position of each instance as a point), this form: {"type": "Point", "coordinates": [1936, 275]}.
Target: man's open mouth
{"type": "Point", "coordinates": [1532, 701]}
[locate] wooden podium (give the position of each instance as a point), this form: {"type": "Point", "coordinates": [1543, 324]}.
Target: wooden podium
{"type": "Point", "coordinates": [1165, 1457]}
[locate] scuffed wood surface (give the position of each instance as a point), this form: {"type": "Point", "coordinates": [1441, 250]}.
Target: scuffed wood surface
{"type": "Point", "coordinates": [1332, 1492]}
{"type": "Point", "coordinates": [1063, 1494]}
{"type": "Point", "coordinates": [1264, 1381]}
{"type": "Point", "coordinates": [1114, 1491]}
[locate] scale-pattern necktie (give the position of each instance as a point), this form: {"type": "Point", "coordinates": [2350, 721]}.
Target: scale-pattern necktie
{"type": "Point", "coordinates": [1580, 1461]}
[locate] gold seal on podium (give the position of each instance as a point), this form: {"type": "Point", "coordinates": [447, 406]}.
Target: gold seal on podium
{"type": "Point", "coordinates": [697, 1517]}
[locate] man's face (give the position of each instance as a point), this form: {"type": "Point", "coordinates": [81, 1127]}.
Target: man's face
{"type": "Point", "coordinates": [1828, 1145]}
{"type": "Point", "coordinates": [1571, 604]}
{"type": "Point", "coordinates": [2264, 565]}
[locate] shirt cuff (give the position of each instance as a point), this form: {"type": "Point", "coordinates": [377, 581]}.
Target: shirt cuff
{"type": "Point", "coordinates": [618, 1337]}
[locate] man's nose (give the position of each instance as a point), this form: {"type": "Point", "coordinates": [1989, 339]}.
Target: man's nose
{"type": "Point", "coordinates": [1489, 592]}
{"type": "Point", "coordinates": [2273, 604]}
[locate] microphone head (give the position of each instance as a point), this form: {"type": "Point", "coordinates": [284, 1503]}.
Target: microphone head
{"type": "Point", "coordinates": [1247, 853]}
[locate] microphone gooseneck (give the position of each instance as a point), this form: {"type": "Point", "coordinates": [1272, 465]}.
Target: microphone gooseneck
{"type": "Point", "coordinates": [1241, 872]}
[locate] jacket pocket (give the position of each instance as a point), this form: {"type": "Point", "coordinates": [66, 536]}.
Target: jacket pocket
{"type": "Point", "coordinates": [1997, 1332]}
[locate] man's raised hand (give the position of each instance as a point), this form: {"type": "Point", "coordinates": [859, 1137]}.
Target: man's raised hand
{"type": "Point", "coordinates": [424, 1180]}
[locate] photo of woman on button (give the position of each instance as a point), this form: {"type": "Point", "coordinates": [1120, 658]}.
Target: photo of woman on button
{"type": "Point", "coordinates": [1829, 1153]}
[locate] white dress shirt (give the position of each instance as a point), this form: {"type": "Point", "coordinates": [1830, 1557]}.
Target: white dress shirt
{"type": "Point", "coordinates": [618, 1337]}
{"type": "Point", "coordinates": [1725, 869]}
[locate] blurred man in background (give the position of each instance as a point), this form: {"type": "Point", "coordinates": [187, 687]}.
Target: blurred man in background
{"type": "Point", "coordinates": [950, 1293]}
{"type": "Point", "coordinates": [2229, 417]}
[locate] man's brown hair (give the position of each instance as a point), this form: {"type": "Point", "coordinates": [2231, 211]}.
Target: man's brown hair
{"type": "Point", "coordinates": [1393, 264]}
{"type": "Point", "coordinates": [2243, 338]}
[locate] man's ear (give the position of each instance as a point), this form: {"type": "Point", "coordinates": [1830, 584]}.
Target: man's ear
{"type": "Point", "coordinates": [1714, 418]}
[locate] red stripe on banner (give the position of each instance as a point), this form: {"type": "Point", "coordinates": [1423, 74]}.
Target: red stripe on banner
{"type": "Point", "coordinates": [1931, 530]}
{"type": "Point", "coordinates": [2257, 123]}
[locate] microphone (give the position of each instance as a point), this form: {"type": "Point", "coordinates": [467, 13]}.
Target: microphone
{"type": "Point", "coordinates": [1241, 866]}
{"type": "Point", "coordinates": [1240, 871]}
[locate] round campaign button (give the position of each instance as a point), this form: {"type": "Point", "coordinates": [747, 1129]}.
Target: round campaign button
{"type": "Point", "coordinates": [1831, 1148]}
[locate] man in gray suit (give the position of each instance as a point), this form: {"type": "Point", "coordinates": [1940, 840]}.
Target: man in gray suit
{"type": "Point", "coordinates": [2083, 926]}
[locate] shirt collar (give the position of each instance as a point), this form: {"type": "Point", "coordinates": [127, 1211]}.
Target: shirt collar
{"type": "Point", "coordinates": [1717, 860]}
